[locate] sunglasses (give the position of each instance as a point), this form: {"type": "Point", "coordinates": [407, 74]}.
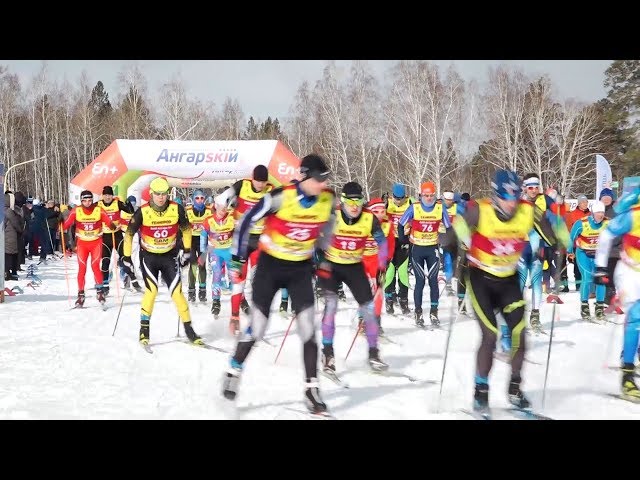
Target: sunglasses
{"type": "Point", "coordinates": [199, 198]}
{"type": "Point", "coordinates": [321, 177]}
{"type": "Point", "coordinates": [160, 193]}
{"type": "Point", "coordinates": [529, 187]}
{"type": "Point", "coordinates": [353, 202]}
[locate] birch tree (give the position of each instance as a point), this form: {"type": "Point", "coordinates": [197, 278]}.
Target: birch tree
{"type": "Point", "coordinates": [504, 108]}
{"type": "Point", "coordinates": [301, 127]}
{"type": "Point", "coordinates": [133, 113]}
{"type": "Point", "coordinates": [331, 114]}
{"type": "Point", "coordinates": [576, 138]}
{"type": "Point", "coordinates": [9, 112]}
{"type": "Point", "coordinates": [364, 125]}
{"type": "Point", "coordinates": [404, 114]}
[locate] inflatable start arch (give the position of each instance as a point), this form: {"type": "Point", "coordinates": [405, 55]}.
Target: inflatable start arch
{"type": "Point", "coordinates": [130, 165]}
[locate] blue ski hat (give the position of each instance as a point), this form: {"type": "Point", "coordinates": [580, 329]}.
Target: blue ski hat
{"type": "Point", "coordinates": [131, 199]}
{"type": "Point", "coordinates": [399, 191]}
{"type": "Point", "coordinates": [506, 185]}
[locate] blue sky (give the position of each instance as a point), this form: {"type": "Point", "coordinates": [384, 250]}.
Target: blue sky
{"type": "Point", "coordinates": [267, 87]}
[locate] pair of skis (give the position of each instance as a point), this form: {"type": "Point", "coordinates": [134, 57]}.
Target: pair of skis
{"type": "Point", "coordinates": [521, 413]}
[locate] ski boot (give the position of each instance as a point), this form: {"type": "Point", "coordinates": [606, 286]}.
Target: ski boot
{"type": "Point", "coordinates": [433, 316]}
{"type": "Point", "coordinates": [202, 294]}
{"type": "Point", "coordinates": [312, 398]}
{"type": "Point", "coordinates": [419, 319]}
{"type": "Point", "coordinates": [234, 325]}
{"type": "Point", "coordinates": [328, 360]}
{"type": "Point", "coordinates": [127, 283]}
{"type": "Point", "coordinates": [388, 303]}
{"type": "Point", "coordinates": [231, 382]}
{"type": "Point", "coordinates": [600, 311]}
{"type": "Point", "coordinates": [215, 307]}
{"type": "Point", "coordinates": [100, 295]}
{"type": "Point", "coordinates": [481, 399]}
{"type": "Point", "coordinates": [105, 289]}
{"type": "Point", "coordinates": [630, 390]}
{"type": "Point", "coordinates": [585, 312]}
{"type": "Point", "coordinates": [191, 335]}
{"type": "Point", "coordinates": [516, 397]}
{"type": "Point", "coordinates": [244, 306]}
{"type": "Point", "coordinates": [284, 306]}
{"type": "Point", "coordinates": [375, 363]}
{"type": "Point", "coordinates": [404, 305]}
{"type": "Point", "coordinates": [534, 320]}
{"type": "Point", "coordinates": [144, 331]}
{"type": "Point", "coordinates": [80, 300]}
{"type": "Point", "coordinates": [136, 286]}
{"type": "Point", "coordinates": [191, 295]}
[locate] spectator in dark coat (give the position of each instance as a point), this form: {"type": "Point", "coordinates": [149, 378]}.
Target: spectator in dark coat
{"type": "Point", "coordinates": [13, 227]}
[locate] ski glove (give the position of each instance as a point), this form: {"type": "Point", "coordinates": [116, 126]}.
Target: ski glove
{"type": "Point", "coordinates": [184, 258]}
{"type": "Point", "coordinates": [236, 265]}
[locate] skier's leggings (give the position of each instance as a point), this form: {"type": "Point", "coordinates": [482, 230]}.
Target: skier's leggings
{"type": "Point", "coordinates": [271, 275]}
{"type": "Point", "coordinates": [237, 289]}
{"type": "Point", "coordinates": [399, 265]}
{"type": "Point", "coordinates": [586, 264]}
{"type": "Point", "coordinates": [421, 255]}
{"type": "Point", "coordinates": [487, 293]}
{"type": "Point", "coordinates": [85, 249]}
{"type": "Point", "coordinates": [153, 265]}
{"type": "Point", "coordinates": [531, 263]}
{"type": "Point", "coordinates": [107, 250]}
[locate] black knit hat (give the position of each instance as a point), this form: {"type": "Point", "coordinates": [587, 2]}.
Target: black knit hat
{"type": "Point", "coordinates": [352, 190]}
{"type": "Point", "coordinates": [260, 173]}
{"type": "Point", "coordinates": [86, 194]}
{"type": "Point", "coordinates": [107, 190]}
{"type": "Point", "coordinates": [314, 166]}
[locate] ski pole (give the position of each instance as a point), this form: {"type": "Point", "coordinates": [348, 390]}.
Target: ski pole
{"type": "Point", "coordinates": [446, 350]}
{"type": "Point", "coordinates": [115, 263]}
{"type": "Point", "coordinates": [119, 310]}
{"type": "Point", "coordinates": [285, 337]}
{"type": "Point", "coordinates": [358, 330]}
{"type": "Point", "coordinates": [66, 272]}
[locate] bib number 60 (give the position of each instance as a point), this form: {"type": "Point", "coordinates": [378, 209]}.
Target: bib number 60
{"type": "Point", "coordinates": [161, 234]}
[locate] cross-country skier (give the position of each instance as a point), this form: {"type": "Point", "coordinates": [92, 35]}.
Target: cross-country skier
{"type": "Point", "coordinates": [294, 219]}
{"type": "Point", "coordinates": [494, 233]}
{"type": "Point", "coordinates": [196, 214]}
{"type": "Point", "coordinates": [342, 262]}
{"type": "Point", "coordinates": [88, 219]}
{"type": "Point", "coordinates": [129, 276]}
{"type": "Point", "coordinates": [159, 222]}
{"type": "Point", "coordinates": [370, 255]}
{"type": "Point", "coordinates": [245, 194]}
{"type": "Point", "coordinates": [113, 208]}
{"type": "Point", "coordinates": [584, 240]}
{"type": "Point", "coordinates": [217, 233]}
{"type": "Point", "coordinates": [627, 280]}
{"type": "Point", "coordinates": [423, 219]}
{"type": "Point", "coordinates": [397, 205]}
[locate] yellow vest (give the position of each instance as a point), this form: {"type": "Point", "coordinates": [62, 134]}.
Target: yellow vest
{"type": "Point", "coordinates": [347, 241]}
{"type": "Point", "coordinates": [113, 212]}
{"type": "Point", "coordinates": [291, 233]}
{"type": "Point", "coordinates": [496, 246]}
{"type": "Point", "coordinates": [424, 227]}
{"type": "Point", "coordinates": [371, 246]}
{"type": "Point", "coordinates": [588, 239]}
{"type": "Point", "coordinates": [125, 218]}
{"type": "Point", "coordinates": [220, 235]}
{"type": "Point", "coordinates": [394, 213]}
{"type": "Point", "coordinates": [88, 226]}
{"type": "Point", "coordinates": [159, 233]}
{"type": "Point", "coordinates": [630, 253]}
{"type": "Point", "coordinates": [197, 221]}
{"type": "Point", "coordinates": [247, 198]}
{"type": "Point", "coordinates": [452, 211]}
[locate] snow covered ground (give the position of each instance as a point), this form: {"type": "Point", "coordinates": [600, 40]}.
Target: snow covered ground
{"type": "Point", "coordinates": [59, 363]}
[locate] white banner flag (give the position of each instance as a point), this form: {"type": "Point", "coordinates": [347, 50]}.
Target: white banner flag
{"type": "Point", "coordinates": [603, 175]}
